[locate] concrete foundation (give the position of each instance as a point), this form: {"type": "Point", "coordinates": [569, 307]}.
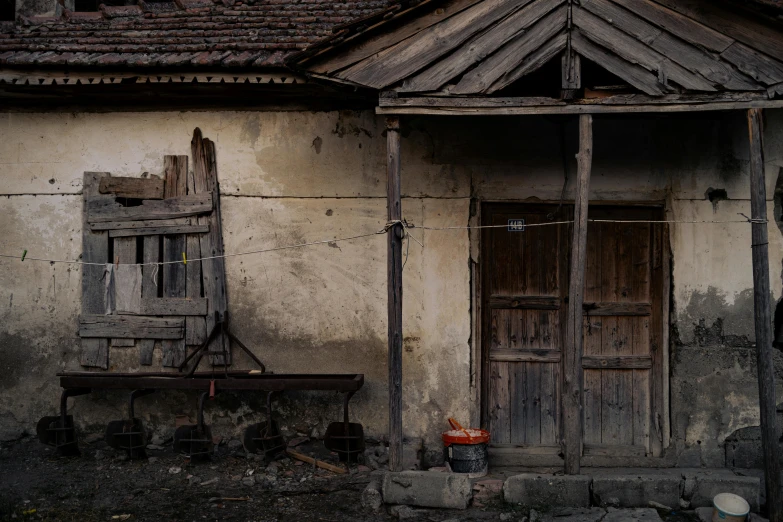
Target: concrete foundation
{"type": "Point", "coordinates": [545, 491]}
{"type": "Point", "coordinates": [620, 489]}
{"type": "Point", "coordinates": [427, 489]}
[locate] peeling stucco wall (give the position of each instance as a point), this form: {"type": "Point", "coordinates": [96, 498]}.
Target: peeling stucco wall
{"type": "Point", "coordinates": [290, 177]}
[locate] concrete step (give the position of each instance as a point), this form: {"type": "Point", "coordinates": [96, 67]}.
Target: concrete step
{"type": "Point", "coordinates": [630, 488]}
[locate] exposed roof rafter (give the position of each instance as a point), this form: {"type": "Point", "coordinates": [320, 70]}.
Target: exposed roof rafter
{"type": "Point", "coordinates": [481, 47]}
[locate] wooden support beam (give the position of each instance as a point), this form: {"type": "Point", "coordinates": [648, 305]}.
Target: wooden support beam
{"type": "Point", "coordinates": [571, 72]}
{"type": "Point", "coordinates": [762, 315]}
{"type": "Point", "coordinates": [394, 256]}
{"type": "Point", "coordinates": [572, 382]}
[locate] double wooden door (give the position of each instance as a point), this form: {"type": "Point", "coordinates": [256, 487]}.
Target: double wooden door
{"type": "Point", "coordinates": [525, 266]}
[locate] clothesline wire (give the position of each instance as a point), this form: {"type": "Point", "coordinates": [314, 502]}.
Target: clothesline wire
{"type": "Point", "coordinates": [406, 226]}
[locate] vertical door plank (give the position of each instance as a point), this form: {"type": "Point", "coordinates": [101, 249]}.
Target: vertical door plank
{"type": "Point", "coordinates": [195, 326]}
{"type": "Point", "coordinates": [95, 249]}
{"type": "Point", "coordinates": [549, 382]}
{"type": "Point", "coordinates": [500, 427]}
{"type": "Point", "coordinates": [658, 322]}
{"type": "Point", "coordinates": [149, 289]}
{"type": "Point", "coordinates": [174, 276]}
{"type": "Point", "coordinates": [593, 331]}
{"type": "Point", "coordinates": [533, 392]}
{"type": "Point", "coordinates": [124, 253]}
{"type": "Point", "coordinates": [519, 401]}
{"type": "Point", "coordinates": [624, 378]}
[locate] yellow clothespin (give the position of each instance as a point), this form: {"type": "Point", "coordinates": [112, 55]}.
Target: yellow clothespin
{"type": "Point", "coordinates": [184, 259]}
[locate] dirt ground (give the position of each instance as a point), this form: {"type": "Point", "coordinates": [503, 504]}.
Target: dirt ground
{"type": "Point", "coordinates": [102, 485]}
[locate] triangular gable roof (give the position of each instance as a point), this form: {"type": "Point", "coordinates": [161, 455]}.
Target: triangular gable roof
{"type": "Point", "coordinates": [478, 47]}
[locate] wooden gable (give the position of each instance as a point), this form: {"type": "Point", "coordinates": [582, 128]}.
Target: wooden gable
{"type": "Point", "coordinates": [479, 47]}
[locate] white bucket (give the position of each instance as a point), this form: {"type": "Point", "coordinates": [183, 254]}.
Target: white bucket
{"type": "Point", "coordinates": [729, 508]}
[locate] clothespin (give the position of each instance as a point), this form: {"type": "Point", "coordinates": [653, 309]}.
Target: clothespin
{"type": "Point", "coordinates": [184, 259]}
{"type": "Point", "coordinates": [116, 261]}
{"type": "Point", "coordinates": [24, 254]}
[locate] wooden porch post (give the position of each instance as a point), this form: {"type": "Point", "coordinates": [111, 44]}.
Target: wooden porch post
{"type": "Point", "coordinates": [762, 315]}
{"type": "Point", "coordinates": [572, 385]}
{"type": "Point", "coordinates": [394, 257]}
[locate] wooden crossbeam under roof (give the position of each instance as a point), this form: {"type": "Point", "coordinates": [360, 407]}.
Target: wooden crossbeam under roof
{"type": "Point", "coordinates": [459, 48]}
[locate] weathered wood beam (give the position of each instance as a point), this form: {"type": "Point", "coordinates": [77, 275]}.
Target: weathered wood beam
{"type": "Point", "coordinates": [168, 230]}
{"type": "Point", "coordinates": [109, 210]}
{"type": "Point", "coordinates": [131, 327]}
{"type": "Point", "coordinates": [571, 75]}
{"type": "Point", "coordinates": [762, 315]}
{"type": "Point", "coordinates": [95, 249]}
{"type": "Point", "coordinates": [394, 281]}
{"type": "Point", "coordinates": [479, 47]}
{"type": "Point", "coordinates": [174, 247]}
{"type": "Point", "coordinates": [511, 54]}
{"type": "Point", "coordinates": [400, 61]}
{"type": "Point", "coordinates": [572, 382]}
{"type": "Point", "coordinates": [540, 106]}
{"type": "Point", "coordinates": [138, 188]}
{"type": "Point", "coordinates": [530, 63]}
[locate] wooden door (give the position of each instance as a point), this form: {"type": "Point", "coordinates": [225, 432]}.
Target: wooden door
{"type": "Point", "coordinates": [524, 295]}
{"type": "Point", "coordinates": [523, 284]}
{"type": "Point", "coordinates": [622, 333]}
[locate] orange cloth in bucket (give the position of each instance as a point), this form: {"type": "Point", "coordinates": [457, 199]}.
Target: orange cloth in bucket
{"type": "Point", "coordinates": [460, 435]}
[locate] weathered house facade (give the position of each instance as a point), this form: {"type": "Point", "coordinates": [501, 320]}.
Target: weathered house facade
{"type": "Point", "coordinates": [489, 96]}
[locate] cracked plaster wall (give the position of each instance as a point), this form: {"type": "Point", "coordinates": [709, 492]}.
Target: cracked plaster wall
{"type": "Point", "coordinates": [290, 177]}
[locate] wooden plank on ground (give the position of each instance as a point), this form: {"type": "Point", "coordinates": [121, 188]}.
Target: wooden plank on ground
{"type": "Point", "coordinates": [160, 231]}
{"type": "Point", "coordinates": [136, 188]}
{"type": "Point", "coordinates": [410, 55]}
{"type": "Point", "coordinates": [149, 290]}
{"type": "Point", "coordinates": [174, 248]}
{"type": "Point", "coordinates": [634, 51]}
{"type": "Point", "coordinates": [124, 253]}
{"type": "Point", "coordinates": [509, 56]}
{"type": "Point", "coordinates": [99, 211]}
{"type": "Point", "coordinates": [131, 327]}
{"type": "Point", "coordinates": [95, 249]}
{"type": "Point", "coordinates": [478, 47]}
{"type": "Point", "coordinates": [637, 76]}
{"type": "Point", "coordinates": [213, 274]}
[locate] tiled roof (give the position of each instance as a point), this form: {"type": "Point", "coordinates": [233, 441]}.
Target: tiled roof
{"type": "Point", "coordinates": [184, 33]}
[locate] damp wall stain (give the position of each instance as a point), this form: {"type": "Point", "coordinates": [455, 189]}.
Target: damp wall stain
{"type": "Point", "coordinates": [325, 308]}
